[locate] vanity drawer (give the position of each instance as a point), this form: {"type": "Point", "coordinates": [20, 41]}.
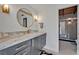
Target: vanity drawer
{"type": "Point", "coordinates": [16, 48]}
{"type": "Point", "coordinates": [22, 45]}
{"type": "Point", "coordinates": [8, 51]}
{"type": "Point", "coordinates": [24, 51]}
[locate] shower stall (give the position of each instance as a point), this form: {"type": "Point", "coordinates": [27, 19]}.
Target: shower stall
{"type": "Point", "coordinates": [68, 24]}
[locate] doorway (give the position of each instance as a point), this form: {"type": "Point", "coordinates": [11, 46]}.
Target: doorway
{"type": "Point", "coordinates": [68, 31]}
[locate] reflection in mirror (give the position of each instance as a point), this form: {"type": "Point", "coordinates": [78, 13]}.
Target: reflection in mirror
{"type": "Point", "coordinates": [25, 17]}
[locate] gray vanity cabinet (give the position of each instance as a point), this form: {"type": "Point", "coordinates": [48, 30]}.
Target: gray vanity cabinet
{"type": "Point", "coordinates": [28, 47]}
{"type": "Point", "coordinates": [18, 49]}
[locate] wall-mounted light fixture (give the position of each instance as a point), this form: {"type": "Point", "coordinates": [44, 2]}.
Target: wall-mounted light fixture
{"type": "Point", "coordinates": [5, 8]}
{"type": "Point", "coordinates": [35, 18]}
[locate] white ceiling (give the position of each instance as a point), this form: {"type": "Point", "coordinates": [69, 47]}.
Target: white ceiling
{"type": "Point", "coordinates": [43, 7]}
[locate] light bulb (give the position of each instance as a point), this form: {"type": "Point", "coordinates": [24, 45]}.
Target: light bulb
{"type": "Point", "coordinates": [35, 17]}
{"type": "Point", "coordinates": [69, 22]}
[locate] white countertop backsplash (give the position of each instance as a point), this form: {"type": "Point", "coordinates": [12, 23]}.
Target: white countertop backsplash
{"type": "Point", "coordinates": [15, 38]}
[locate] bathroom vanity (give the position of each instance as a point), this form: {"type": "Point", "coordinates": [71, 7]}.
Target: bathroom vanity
{"type": "Point", "coordinates": [23, 43]}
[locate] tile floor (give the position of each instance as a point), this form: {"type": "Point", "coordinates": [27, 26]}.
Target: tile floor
{"type": "Point", "coordinates": [67, 48]}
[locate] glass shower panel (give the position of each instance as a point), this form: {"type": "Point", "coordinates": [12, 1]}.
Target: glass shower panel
{"type": "Point", "coordinates": [71, 30]}
{"type": "Point", "coordinates": [62, 30]}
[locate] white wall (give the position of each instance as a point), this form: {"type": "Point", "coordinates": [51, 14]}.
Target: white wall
{"type": "Point", "coordinates": [51, 23]}
{"type": "Point", "coordinates": [8, 22]}
{"type": "Point", "coordinates": [49, 17]}
{"type": "Point", "coordinates": [1, 26]}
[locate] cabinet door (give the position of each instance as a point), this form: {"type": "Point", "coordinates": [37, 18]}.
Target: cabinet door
{"type": "Point", "coordinates": [36, 42]}
{"type": "Point", "coordinates": [36, 46]}
{"type": "Point", "coordinates": [35, 51]}
{"type": "Point", "coordinates": [43, 40]}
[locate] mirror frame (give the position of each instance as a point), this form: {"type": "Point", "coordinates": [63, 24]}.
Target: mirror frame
{"type": "Point", "coordinates": [28, 12]}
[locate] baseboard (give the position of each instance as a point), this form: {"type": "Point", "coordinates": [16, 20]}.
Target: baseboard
{"type": "Point", "coordinates": [67, 40]}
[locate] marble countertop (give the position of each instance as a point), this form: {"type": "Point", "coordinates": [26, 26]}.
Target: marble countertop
{"type": "Point", "coordinates": [15, 38]}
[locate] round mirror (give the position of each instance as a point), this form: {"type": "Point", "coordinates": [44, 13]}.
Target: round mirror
{"type": "Point", "coordinates": [25, 17]}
